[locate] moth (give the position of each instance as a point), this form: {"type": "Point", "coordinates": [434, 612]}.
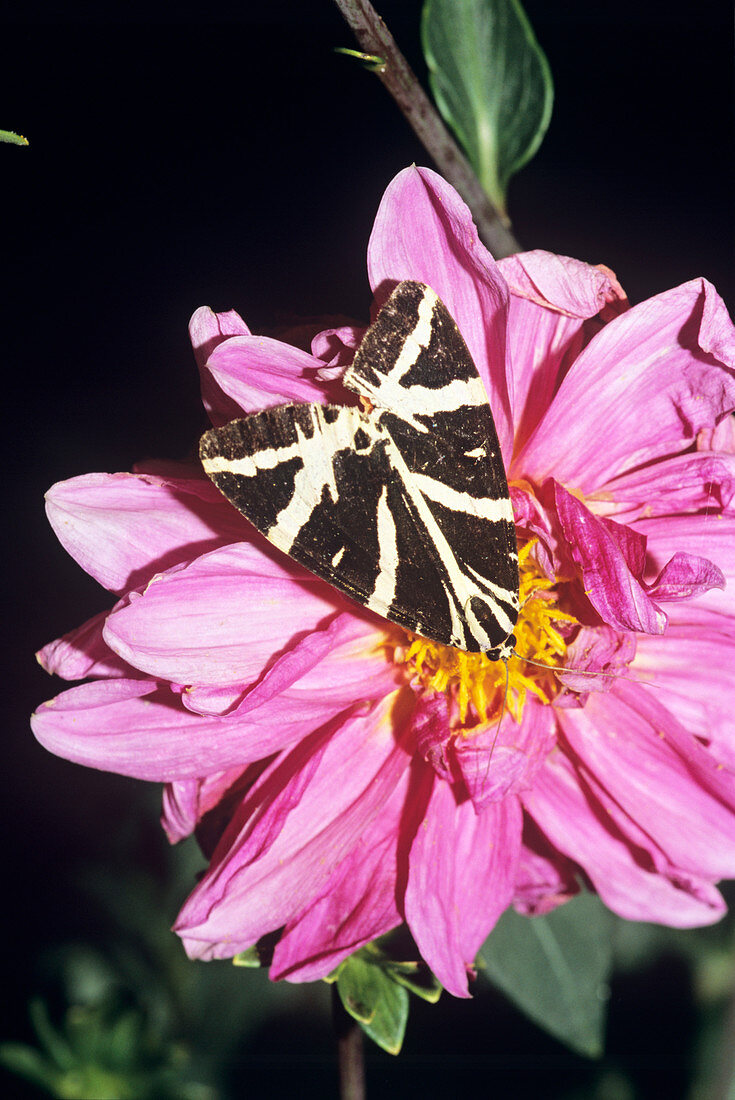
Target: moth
{"type": "Point", "coordinates": [400, 501]}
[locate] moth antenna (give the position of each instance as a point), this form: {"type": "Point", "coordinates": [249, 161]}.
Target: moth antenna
{"type": "Point", "coordinates": [497, 728]}
{"type": "Point", "coordinates": [579, 672]}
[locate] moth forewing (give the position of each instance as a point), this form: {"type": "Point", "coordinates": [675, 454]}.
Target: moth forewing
{"type": "Point", "coordinates": [402, 504]}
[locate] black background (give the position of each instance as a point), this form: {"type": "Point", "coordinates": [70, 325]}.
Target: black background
{"type": "Point", "coordinates": [226, 156]}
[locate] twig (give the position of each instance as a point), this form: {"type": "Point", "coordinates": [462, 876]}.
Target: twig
{"type": "Point", "coordinates": [350, 1051]}
{"type": "Point", "coordinates": [396, 74]}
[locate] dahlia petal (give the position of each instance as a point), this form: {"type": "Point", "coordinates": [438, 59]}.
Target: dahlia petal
{"type": "Point", "coordinates": [503, 761]}
{"type": "Point", "coordinates": [249, 373]}
{"type": "Point", "coordinates": [461, 871]}
{"type": "Point", "coordinates": [551, 299]}
{"type": "Point", "coordinates": [672, 356]}
{"type": "Point", "coordinates": [620, 868]}
{"type": "Point", "coordinates": [221, 619]}
{"type": "Point", "coordinates": [711, 537]}
{"type": "Point", "coordinates": [295, 826]}
{"type": "Point", "coordinates": [138, 728]}
{"type": "Point", "coordinates": [692, 668]}
{"type": "Point", "coordinates": [560, 283]}
{"type": "Point", "coordinates": [424, 231]}
{"type": "Point", "coordinates": [615, 593]}
{"type": "Point", "coordinates": [598, 649]}
{"type": "Point", "coordinates": [719, 438]}
{"type": "Point", "coordinates": [685, 483]}
{"type": "Point", "coordinates": [207, 329]}
{"type": "Point", "coordinates": [122, 528]}
{"type": "Point", "coordinates": [336, 348]}
{"type": "Point", "coordinates": [431, 731]}
{"type": "Point", "coordinates": [333, 666]}
{"type": "Point", "coordinates": [358, 903]}
{"type": "Point", "coordinates": [685, 576]}
{"type": "Point", "coordinates": [631, 744]}
{"type": "Point", "coordinates": [82, 652]}
{"type": "Point", "coordinates": [545, 879]}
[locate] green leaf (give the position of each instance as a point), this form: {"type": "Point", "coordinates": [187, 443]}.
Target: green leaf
{"type": "Point", "coordinates": [491, 82]}
{"type": "Point", "coordinates": [555, 968]}
{"type": "Point", "coordinates": [12, 139]}
{"type": "Point", "coordinates": [417, 978]}
{"type": "Point", "coordinates": [379, 1004]}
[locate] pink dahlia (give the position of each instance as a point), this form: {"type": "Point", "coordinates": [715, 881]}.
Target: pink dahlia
{"type": "Point", "coordinates": [342, 775]}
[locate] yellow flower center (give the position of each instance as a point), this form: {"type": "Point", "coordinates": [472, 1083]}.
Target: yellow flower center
{"type": "Point", "coordinates": [476, 684]}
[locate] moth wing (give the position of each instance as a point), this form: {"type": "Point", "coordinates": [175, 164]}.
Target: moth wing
{"type": "Point", "coordinates": [319, 483]}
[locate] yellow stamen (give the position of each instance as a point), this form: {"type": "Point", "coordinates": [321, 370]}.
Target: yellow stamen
{"type": "Point", "coordinates": [476, 684]}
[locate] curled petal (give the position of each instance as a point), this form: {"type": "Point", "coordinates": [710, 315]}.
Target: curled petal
{"type": "Point", "coordinates": [606, 560]}
{"type": "Point", "coordinates": [83, 652]}
{"type": "Point", "coordinates": [424, 231]}
{"type": "Point", "coordinates": [545, 878]}
{"type": "Point", "coordinates": [710, 537]}
{"type": "Point", "coordinates": [685, 576]}
{"type": "Point", "coordinates": [250, 373]}
{"type": "Point", "coordinates": [122, 528]}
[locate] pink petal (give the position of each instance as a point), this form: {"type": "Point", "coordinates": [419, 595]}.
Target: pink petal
{"type": "Point", "coordinates": [82, 652]}
{"type": "Point", "coordinates": [545, 879]}
{"type": "Point", "coordinates": [461, 872]}
{"type": "Point", "coordinates": [686, 576]}
{"type": "Point", "coordinates": [669, 358]}
{"type": "Point", "coordinates": [212, 800]}
{"type": "Point", "coordinates": [424, 231]}
{"type": "Point", "coordinates": [706, 536]}
{"type": "Point", "coordinates": [221, 619]}
{"type": "Point", "coordinates": [692, 669]}
{"type": "Point", "coordinates": [294, 828]}
{"type": "Point", "coordinates": [336, 347]}
{"type": "Point", "coordinates": [619, 865]}
{"type": "Point", "coordinates": [357, 904]}
{"type": "Point", "coordinates": [638, 754]}
{"type": "Point", "coordinates": [138, 728]}
{"type": "Point", "coordinates": [597, 650]}
{"type": "Point", "coordinates": [250, 373]}
{"type": "Point", "coordinates": [605, 555]}
{"type": "Point", "coordinates": [207, 329]}
{"type": "Point", "coordinates": [499, 762]}
{"type": "Point", "coordinates": [685, 483]}
{"type": "Point", "coordinates": [331, 667]}
{"type": "Point", "coordinates": [551, 299]}
{"type": "Point", "coordinates": [560, 283]}
{"type": "Point", "coordinates": [122, 528]}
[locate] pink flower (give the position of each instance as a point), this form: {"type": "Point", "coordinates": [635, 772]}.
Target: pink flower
{"type": "Point", "coordinates": [342, 775]}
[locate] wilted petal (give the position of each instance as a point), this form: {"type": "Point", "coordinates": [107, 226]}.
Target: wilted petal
{"type": "Point", "coordinates": [686, 576]}
{"type": "Point", "coordinates": [223, 618]}
{"type": "Point", "coordinates": [424, 231]}
{"type": "Point", "coordinates": [251, 373]}
{"type": "Point", "coordinates": [83, 652]}
{"type": "Point", "coordinates": [551, 299]}
{"type": "Point", "coordinates": [294, 828]}
{"type": "Point", "coordinates": [605, 556]}
{"type": "Point", "coordinates": [671, 356]}
{"type": "Point", "coordinates": [461, 871]}
{"type": "Point", "coordinates": [122, 528]}
{"type": "Point", "coordinates": [711, 537]}
{"type": "Point", "coordinates": [620, 865]}
{"type": "Point", "coordinates": [336, 348]}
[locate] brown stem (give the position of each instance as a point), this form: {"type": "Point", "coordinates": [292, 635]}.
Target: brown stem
{"type": "Point", "coordinates": [396, 74]}
{"type": "Point", "coordinates": [350, 1051]}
